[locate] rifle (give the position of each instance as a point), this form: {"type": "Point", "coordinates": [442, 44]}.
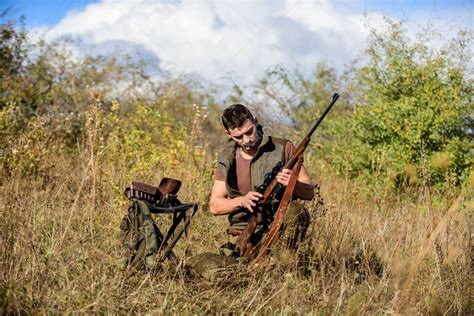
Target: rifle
{"type": "Point", "coordinates": [269, 188]}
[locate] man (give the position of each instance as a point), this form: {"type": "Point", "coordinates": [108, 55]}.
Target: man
{"type": "Point", "coordinates": [248, 156]}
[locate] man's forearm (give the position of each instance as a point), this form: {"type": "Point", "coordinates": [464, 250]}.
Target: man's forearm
{"type": "Point", "coordinates": [223, 206]}
{"type": "Point", "coordinates": [304, 191]}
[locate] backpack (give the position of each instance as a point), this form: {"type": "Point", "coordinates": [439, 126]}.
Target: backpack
{"type": "Point", "coordinates": [140, 236]}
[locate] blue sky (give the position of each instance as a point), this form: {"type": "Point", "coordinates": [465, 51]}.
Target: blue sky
{"type": "Point", "coordinates": [218, 39]}
{"type": "Point", "coordinates": [49, 13]}
{"type": "Point", "coordinates": [42, 13]}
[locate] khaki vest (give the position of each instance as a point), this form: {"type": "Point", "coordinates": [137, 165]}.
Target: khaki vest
{"type": "Point", "coordinates": [269, 153]}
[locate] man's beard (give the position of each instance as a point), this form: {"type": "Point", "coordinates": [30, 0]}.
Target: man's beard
{"type": "Point", "coordinates": [254, 144]}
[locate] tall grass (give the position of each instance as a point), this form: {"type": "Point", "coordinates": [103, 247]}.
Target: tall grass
{"type": "Point", "coordinates": [370, 251]}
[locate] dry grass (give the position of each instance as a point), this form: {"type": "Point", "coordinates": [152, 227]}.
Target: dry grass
{"type": "Point", "coordinates": [372, 251]}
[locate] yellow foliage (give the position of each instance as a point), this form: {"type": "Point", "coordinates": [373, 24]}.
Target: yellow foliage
{"type": "Point", "coordinates": [392, 174]}
{"type": "Point", "coordinates": [441, 160]}
{"type": "Point", "coordinates": [410, 173]}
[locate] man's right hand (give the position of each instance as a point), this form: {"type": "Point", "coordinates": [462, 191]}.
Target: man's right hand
{"type": "Point", "coordinates": [249, 200]}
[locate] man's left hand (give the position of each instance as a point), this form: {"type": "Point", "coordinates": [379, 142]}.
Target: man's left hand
{"type": "Point", "coordinates": [283, 176]}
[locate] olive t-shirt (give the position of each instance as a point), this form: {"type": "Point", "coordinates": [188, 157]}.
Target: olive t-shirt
{"type": "Point", "coordinates": [243, 168]}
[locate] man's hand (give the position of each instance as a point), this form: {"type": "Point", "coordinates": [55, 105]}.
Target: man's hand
{"type": "Point", "coordinates": [304, 189]}
{"type": "Point", "coordinates": [283, 176]}
{"type": "Point", "coordinates": [249, 200]}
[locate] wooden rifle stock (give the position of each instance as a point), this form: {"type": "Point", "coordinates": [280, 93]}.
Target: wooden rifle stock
{"type": "Point", "coordinates": [280, 214]}
{"type": "Point", "coordinates": [245, 247]}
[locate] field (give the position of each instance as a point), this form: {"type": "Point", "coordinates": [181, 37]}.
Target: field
{"type": "Point", "coordinates": [393, 161]}
{"type": "Point", "coordinates": [372, 251]}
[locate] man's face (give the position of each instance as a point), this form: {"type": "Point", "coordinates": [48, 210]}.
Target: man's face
{"type": "Point", "coordinates": [245, 136]}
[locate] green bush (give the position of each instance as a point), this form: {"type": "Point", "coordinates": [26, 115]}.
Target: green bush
{"type": "Point", "coordinates": [415, 121]}
{"type": "Point", "coordinates": [406, 112]}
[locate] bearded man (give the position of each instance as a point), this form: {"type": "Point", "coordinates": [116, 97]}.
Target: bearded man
{"type": "Point", "coordinates": [247, 157]}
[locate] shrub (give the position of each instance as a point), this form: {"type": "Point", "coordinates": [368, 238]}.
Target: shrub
{"type": "Point", "coordinates": [416, 109]}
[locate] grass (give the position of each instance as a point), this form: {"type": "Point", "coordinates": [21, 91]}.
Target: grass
{"type": "Point", "coordinates": [371, 251]}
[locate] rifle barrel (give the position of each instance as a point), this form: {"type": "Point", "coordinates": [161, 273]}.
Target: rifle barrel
{"type": "Point", "coordinates": [321, 118]}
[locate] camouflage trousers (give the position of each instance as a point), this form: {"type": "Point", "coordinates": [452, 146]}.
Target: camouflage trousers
{"type": "Point", "coordinates": [212, 266]}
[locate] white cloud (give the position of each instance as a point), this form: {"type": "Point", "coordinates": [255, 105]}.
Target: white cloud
{"type": "Point", "coordinates": [217, 38]}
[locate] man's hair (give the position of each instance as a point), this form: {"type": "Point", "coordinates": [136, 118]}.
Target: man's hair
{"type": "Point", "coordinates": [235, 116]}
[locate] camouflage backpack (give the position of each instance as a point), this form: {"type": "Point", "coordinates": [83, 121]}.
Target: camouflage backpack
{"type": "Point", "coordinates": [140, 236]}
{"type": "Point", "coordinates": [144, 244]}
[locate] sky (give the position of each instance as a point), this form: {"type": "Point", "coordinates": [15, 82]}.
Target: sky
{"type": "Point", "coordinates": [221, 39]}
